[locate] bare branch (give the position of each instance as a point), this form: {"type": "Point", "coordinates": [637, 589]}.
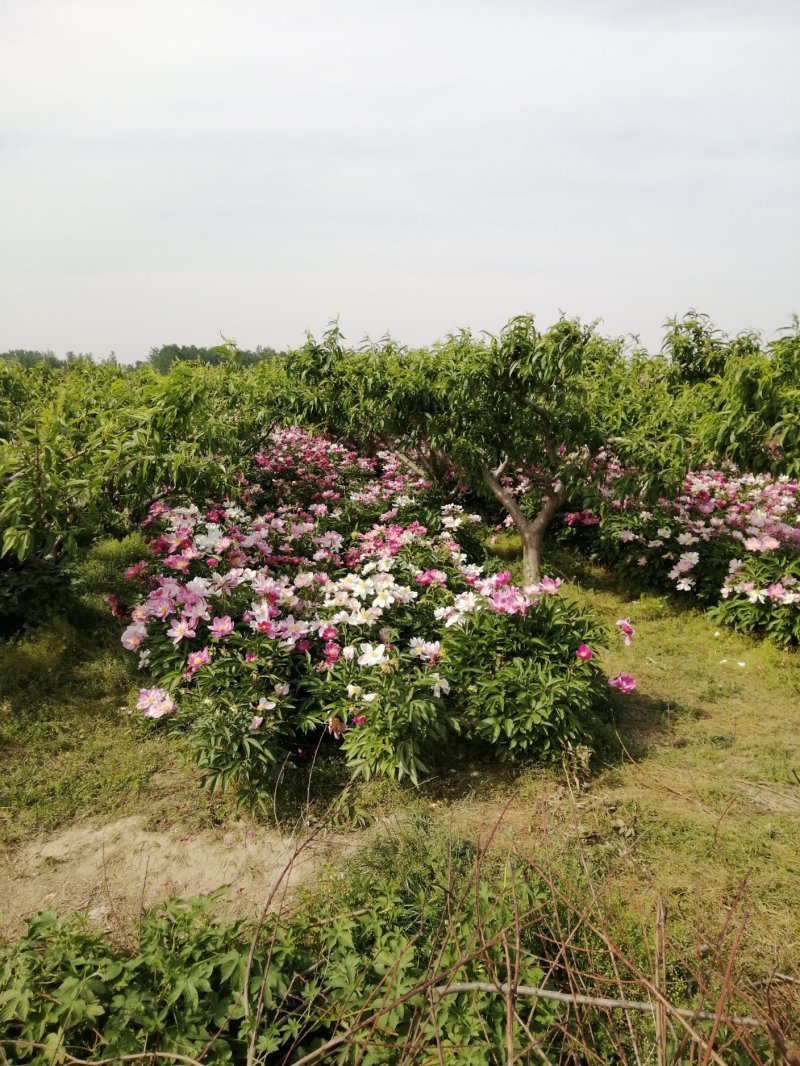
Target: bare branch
{"type": "Point", "coordinates": [490, 479]}
{"type": "Point", "coordinates": [576, 999]}
{"type": "Point", "coordinates": [70, 1060]}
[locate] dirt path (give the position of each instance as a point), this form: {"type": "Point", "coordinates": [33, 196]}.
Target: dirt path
{"type": "Point", "coordinates": [110, 871]}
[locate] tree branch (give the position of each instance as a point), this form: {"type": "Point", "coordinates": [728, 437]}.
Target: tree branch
{"type": "Point", "coordinates": [418, 468]}
{"type": "Point", "coordinates": [490, 479]}
{"type": "Point", "coordinates": [70, 1060]}
{"type": "Point", "coordinates": [575, 999]}
{"type": "Point", "coordinates": [556, 499]}
{"type": "Point", "coordinates": [547, 431]}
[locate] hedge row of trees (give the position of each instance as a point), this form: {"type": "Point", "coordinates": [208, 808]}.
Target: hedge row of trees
{"type": "Point", "coordinates": [517, 419]}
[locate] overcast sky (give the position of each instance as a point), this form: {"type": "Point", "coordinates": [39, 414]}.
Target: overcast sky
{"type": "Point", "coordinates": [178, 170]}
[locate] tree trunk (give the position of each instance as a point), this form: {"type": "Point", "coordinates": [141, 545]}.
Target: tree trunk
{"type": "Point", "coordinates": [531, 532]}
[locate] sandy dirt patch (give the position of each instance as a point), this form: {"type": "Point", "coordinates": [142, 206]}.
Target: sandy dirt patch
{"type": "Point", "coordinates": [113, 871]}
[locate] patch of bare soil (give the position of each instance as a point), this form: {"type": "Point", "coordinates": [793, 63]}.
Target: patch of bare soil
{"type": "Point", "coordinates": [113, 871]}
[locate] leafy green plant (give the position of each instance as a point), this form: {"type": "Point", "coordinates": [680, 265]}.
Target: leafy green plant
{"type": "Point", "coordinates": [318, 615]}
{"type": "Point", "coordinates": [229, 993]}
{"type": "Point", "coordinates": [89, 447]}
{"type": "Point", "coordinates": [420, 947]}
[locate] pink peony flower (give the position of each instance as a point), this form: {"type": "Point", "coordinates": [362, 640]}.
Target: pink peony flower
{"type": "Point", "coordinates": [584, 652]}
{"type": "Point", "coordinates": [134, 636]}
{"type": "Point", "coordinates": [179, 630]}
{"type": "Point", "coordinates": [627, 629]}
{"type": "Point", "coordinates": [624, 682]}
{"type": "Point", "coordinates": [221, 627]}
{"type": "Point", "coordinates": [135, 570]}
{"type": "Point", "coordinates": [431, 577]}
{"type": "Point", "coordinates": [155, 702]}
{"type": "Point", "coordinates": [198, 658]}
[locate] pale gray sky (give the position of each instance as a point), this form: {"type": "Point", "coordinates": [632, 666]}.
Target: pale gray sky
{"type": "Point", "coordinates": [173, 170]}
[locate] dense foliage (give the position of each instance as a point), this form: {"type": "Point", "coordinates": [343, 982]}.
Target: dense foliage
{"type": "Point", "coordinates": [161, 359]}
{"type": "Point", "coordinates": [85, 450]}
{"type": "Point", "coordinates": [517, 420]}
{"type": "Point", "coordinates": [188, 983]}
{"type": "Point", "coordinates": [369, 967]}
{"type": "Point", "coordinates": [507, 417]}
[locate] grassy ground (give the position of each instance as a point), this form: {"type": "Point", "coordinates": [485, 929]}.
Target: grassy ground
{"type": "Point", "coordinates": [701, 802]}
{"type": "Point", "coordinates": [698, 801]}
{"type": "Point", "coordinates": [68, 745]}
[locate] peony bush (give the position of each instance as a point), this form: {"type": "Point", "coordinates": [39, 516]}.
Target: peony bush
{"type": "Point", "coordinates": [333, 604]}
{"type": "Point", "coordinates": [730, 539]}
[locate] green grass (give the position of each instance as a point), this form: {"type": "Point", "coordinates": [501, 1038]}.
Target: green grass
{"type": "Point", "coordinates": [69, 746]}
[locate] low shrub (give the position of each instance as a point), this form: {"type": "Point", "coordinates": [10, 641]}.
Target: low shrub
{"type": "Point", "coordinates": [403, 954]}
{"type": "Point", "coordinates": [28, 592]}
{"type": "Point", "coordinates": [761, 594]}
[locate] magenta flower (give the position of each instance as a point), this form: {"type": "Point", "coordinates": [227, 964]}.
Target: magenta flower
{"type": "Point", "coordinates": [584, 652]}
{"type": "Point", "coordinates": [627, 629]}
{"type": "Point", "coordinates": [135, 570]}
{"type": "Point", "coordinates": [624, 682]}
{"type": "Point", "coordinates": [431, 577]}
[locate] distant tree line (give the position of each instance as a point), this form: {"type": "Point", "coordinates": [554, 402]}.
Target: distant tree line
{"type": "Point", "coordinates": [161, 359]}
{"type": "Point", "coordinates": [28, 359]}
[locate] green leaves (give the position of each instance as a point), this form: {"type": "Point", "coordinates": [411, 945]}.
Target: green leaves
{"type": "Point", "coordinates": [367, 948]}
{"type": "Point", "coordinates": [87, 448]}
{"type": "Point", "coordinates": [522, 690]}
